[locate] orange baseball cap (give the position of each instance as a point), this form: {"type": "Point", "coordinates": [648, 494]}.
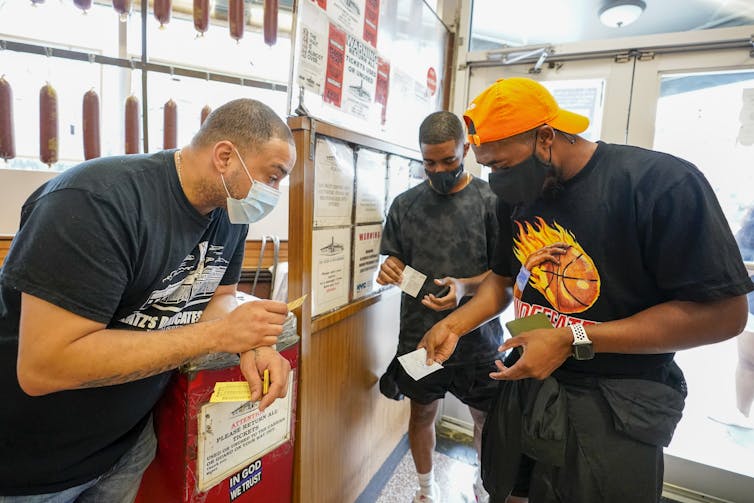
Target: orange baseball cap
{"type": "Point", "coordinates": [516, 105]}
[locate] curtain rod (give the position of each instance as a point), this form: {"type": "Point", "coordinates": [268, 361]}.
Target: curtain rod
{"type": "Point", "coordinates": [137, 64]}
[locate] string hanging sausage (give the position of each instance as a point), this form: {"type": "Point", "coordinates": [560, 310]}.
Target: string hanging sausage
{"type": "Point", "coordinates": [7, 144]}
{"type": "Point", "coordinates": [162, 11]}
{"type": "Point", "coordinates": [270, 22]}
{"type": "Point", "coordinates": [132, 125]}
{"type": "Point", "coordinates": [169, 138]}
{"type": "Point", "coordinates": [201, 16]}
{"type": "Point", "coordinates": [123, 7]}
{"type": "Point", "coordinates": [236, 19]}
{"type": "Point", "coordinates": [84, 5]}
{"type": "Point", "coordinates": [90, 121]}
{"type": "Point", "coordinates": [206, 110]}
{"type": "Point", "coordinates": [48, 125]}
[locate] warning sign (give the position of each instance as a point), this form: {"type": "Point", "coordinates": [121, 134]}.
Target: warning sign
{"type": "Point", "coordinates": [233, 433]}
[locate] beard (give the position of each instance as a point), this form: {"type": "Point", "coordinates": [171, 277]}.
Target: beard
{"type": "Point", "coordinates": [553, 185]}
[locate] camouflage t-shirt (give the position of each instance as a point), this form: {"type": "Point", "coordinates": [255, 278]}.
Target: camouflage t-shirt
{"type": "Point", "coordinates": [444, 235]}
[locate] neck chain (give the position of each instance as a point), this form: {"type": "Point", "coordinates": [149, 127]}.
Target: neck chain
{"type": "Point", "coordinates": [178, 166]}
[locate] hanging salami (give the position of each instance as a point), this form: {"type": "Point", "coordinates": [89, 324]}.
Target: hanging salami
{"type": "Point", "coordinates": [270, 22]}
{"type": "Point", "coordinates": [84, 5]}
{"type": "Point", "coordinates": [162, 10]}
{"type": "Point", "coordinates": [236, 19]}
{"type": "Point", "coordinates": [132, 125]}
{"type": "Point", "coordinates": [123, 7]}
{"type": "Point", "coordinates": [7, 144]}
{"type": "Point", "coordinates": [48, 125]}
{"type": "Point", "coordinates": [206, 110]}
{"type": "Point", "coordinates": [170, 131]}
{"type": "Point", "coordinates": [201, 16]}
{"type": "Point", "coordinates": [90, 121]}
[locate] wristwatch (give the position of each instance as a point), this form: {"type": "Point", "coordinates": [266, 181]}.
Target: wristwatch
{"type": "Point", "coordinates": [582, 346]}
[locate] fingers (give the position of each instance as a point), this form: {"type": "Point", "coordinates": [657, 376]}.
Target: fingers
{"type": "Point", "coordinates": [274, 306]}
{"type": "Point", "coordinates": [251, 373]}
{"type": "Point", "coordinates": [280, 370]}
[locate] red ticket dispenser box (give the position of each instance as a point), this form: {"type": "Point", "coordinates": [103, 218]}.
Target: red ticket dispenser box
{"type": "Point", "coordinates": [227, 451]}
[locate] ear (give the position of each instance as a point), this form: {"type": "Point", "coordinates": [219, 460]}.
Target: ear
{"type": "Point", "coordinates": [545, 135]}
{"type": "Point", "coordinates": [222, 153]}
{"type": "Point", "coordinates": [465, 148]}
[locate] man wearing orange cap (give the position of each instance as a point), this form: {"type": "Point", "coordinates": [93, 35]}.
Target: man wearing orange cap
{"type": "Point", "coordinates": [591, 234]}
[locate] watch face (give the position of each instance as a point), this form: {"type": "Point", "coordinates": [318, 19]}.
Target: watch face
{"type": "Point", "coordinates": [583, 351]}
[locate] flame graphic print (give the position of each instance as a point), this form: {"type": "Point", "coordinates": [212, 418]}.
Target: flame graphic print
{"type": "Point", "coordinates": [559, 268]}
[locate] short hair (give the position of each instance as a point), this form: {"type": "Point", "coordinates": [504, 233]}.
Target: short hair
{"type": "Point", "coordinates": [439, 127]}
{"type": "Point", "coordinates": [247, 123]}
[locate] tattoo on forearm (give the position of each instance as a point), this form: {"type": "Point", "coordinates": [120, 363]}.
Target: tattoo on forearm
{"type": "Point", "coordinates": [124, 378]}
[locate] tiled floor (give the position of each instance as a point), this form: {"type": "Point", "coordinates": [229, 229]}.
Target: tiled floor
{"type": "Point", "coordinates": [455, 466]}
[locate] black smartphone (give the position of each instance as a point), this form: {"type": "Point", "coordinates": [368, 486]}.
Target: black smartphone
{"type": "Point", "coordinates": [429, 287]}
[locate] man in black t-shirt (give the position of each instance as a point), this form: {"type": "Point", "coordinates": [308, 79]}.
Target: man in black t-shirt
{"type": "Point", "coordinates": [629, 255]}
{"type": "Point", "coordinates": [445, 228]}
{"type": "Point", "coordinates": [123, 269]}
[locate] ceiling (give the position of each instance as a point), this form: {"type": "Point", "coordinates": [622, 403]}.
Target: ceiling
{"type": "Point", "coordinates": [499, 23]}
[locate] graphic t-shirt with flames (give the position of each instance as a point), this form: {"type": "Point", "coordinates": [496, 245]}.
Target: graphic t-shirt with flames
{"type": "Point", "coordinates": [634, 228]}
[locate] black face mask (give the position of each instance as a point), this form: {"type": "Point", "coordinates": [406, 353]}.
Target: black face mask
{"type": "Point", "coordinates": [521, 183]}
{"type": "Point", "coordinates": [444, 181]}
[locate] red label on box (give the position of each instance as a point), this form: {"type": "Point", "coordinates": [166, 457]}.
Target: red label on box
{"type": "Point", "coordinates": [336, 55]}
{"type": "Point", "coordinates": [371, 21]}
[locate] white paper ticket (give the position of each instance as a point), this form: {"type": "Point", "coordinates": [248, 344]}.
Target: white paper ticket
{"type": "Point", "coordinates": [412, 281]}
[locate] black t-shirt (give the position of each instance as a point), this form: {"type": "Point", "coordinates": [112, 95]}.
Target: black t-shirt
{"type": "Point", "coordinates": [443, 235]}
{"type": "Point", "coordinates": [643, 228]}
{"type": "Point", "coordinates": [116, 241]}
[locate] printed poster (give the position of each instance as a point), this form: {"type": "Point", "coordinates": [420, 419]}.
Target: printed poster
{"type": "Point", "coordinates": [336, 56]}
{"type": "Point", "coordinates": [349, 14]}
{"type": "Point", "coordinates": [366, 259]}
{"type": "Point", "coordinates": [314, 44]}
{"type": "Point", "coordinates": [371, 172]}
{"type": "Point", "coordinates": [331, 268]}
{"type": "Point", "coordinates": [371, 21]}
{"type": "Point", "coordinates": [231, 434]}
{"type": "Point", "coordinates": [359, 78]}
{"type": "Point", "coordinates": [397, 178]}
{"type": "Point", "coordinates": [333, 183]}
{"type": "Point", "coordinates": [382, 87]}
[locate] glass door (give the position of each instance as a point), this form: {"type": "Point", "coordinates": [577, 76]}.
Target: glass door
{"type": "Point", "coordinates": [701, 107]}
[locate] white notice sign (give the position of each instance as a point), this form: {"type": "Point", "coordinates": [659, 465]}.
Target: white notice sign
{"type": "Point", "coordinates": [231, 434]}
{"type": "Point", "coordinates": [366, 259]}
{"type": "Point", "coordinates": [333, 183]}
{"type": "Point", "coordinates": [371, 172]}
{"type": "Point", "coordinates": [331, 268]}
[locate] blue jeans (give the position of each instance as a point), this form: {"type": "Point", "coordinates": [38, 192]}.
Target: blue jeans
{"type": "Point", "coordinates": [118, 485]}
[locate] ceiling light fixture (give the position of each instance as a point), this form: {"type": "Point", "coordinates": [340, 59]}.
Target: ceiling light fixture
{"type": "Point", "coordinates": [620, 13]}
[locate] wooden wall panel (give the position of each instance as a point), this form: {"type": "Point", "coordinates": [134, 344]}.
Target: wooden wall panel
{"type": "Point", "coordinates": [347, 428]}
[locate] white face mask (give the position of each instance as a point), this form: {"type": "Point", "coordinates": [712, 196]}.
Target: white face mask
{"type": "Point", "coordinates": [257, 204]}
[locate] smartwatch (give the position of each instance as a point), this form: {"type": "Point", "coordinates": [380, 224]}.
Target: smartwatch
{"type": "Point", "coordinates": [582, 345]}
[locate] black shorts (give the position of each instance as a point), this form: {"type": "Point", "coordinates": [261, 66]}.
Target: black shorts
{"type": "Point", "coordinates": [470, 383]}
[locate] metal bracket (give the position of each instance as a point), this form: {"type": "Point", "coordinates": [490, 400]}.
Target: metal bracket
{"type": "Point", "coordinates": [623, 57]}
{"type": "Point", "coordinates": [751, 43]}
{"type": "Point", "coordinates": [537, 68]}
{"type": "Point", "coordinates": [646, 56]}
{"type": "Point", "coordinates": [312, 138]}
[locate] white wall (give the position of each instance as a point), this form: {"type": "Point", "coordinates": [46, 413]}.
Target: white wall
{"type": "Point", "coordinates": [17, 185]}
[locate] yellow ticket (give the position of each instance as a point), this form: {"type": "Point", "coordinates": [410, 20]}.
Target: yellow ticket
{"type": "Point", "coordinates": [236, 391]}
{"type": "Point", "coordinates": [296, 303]}
{"type": "Point", "coordinates": [266, 382]}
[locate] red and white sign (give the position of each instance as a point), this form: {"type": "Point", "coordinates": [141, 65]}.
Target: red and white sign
{"type": "Point", "coordinates": [431, 81]}
{"type": "Point", "coordinates": [336, 55]}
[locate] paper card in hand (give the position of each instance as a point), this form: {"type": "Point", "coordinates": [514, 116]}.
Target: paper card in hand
{"type": "Point", "coordinates": [533, 322]}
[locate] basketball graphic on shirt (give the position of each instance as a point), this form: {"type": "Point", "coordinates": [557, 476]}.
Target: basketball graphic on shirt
{"type": "Point", "coordinates": [558, 266]}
